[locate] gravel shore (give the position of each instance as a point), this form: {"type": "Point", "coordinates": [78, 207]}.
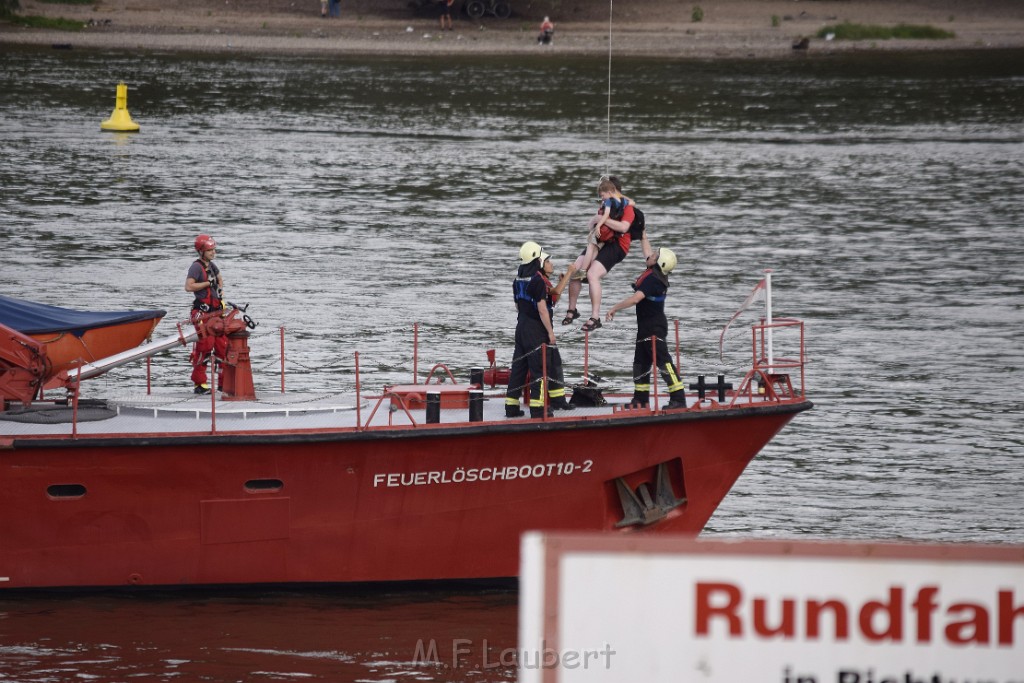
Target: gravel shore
{"type": "Point", "coordinates": [655, 28]}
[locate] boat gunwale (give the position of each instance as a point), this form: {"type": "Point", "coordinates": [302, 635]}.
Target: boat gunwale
{"type": "Point", "coordinates": [391, 432]}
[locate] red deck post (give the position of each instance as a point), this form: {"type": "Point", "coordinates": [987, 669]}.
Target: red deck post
{"type": "Point", "coordinates": [213, 393]}
{"type": "Point", "coordinates": [586, 357]}
{"type": "Point", "coordinates": [654, 369]}
{"type": "Point", "coordinates": [149, 375]}
{"type": "Point", "coordinates": [74, 402]}
{"type": "Point", "coordinates": [679, 367]}
{"type": "Point", "coordinates": [415, 350]}
{"type": "Point", "coordinates": [359, 421]}
{"type": "Point", "coordinates": [544, 379]}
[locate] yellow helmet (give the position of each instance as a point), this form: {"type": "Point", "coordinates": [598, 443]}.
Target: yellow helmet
{"type": "Point", "coordinates": [529, 252]}
{"type": "Point", "coordinates": [666, 260]}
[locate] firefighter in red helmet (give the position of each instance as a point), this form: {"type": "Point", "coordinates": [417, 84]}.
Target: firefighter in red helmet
{"type": "Point", "coordinates": [206, 283]}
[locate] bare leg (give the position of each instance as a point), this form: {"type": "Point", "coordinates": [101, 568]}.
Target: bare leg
{"type": "Point", "coordinates": [575, 286]}
{"type": "Point", "coordinates": [574, 293]}
{"type": "Point", "coordinates": [584, 261]}
{"type": "Point", "coordinates": [594, 275]}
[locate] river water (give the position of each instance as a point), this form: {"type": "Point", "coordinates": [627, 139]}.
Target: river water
{"type": "Point", "coordinates": [353, 197]}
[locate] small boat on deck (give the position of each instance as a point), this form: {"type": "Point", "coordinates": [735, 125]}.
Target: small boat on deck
{"type": "Point", "coordinates": [424, 481]}
{"type": "Point", "coordinates": [73, 337]}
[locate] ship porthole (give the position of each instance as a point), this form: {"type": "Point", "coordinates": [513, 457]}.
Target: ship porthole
{"type": "Point", "coordinates": [65, 491]}
{"type": "Point", "coordinates": [263, 485]}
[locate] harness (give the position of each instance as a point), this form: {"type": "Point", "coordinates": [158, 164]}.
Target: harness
{"type": "Point", "coordinates": [210, 298]}
{"type": "Point", "coordinates": [636, 287]}
{"type": "Point", "coordinates": [519, 290]}
{"type": "Point", "coordinates": [520, 293]}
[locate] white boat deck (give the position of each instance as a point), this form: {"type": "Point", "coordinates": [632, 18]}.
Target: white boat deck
{"type": "Point", "coordinates": [181, 412]}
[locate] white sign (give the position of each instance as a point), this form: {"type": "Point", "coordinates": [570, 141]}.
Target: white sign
{"type": "Point", "coordinates": [613, 609]}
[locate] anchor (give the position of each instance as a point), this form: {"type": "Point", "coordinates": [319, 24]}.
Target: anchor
{"type": "Point", "coordinates": [639, 507]}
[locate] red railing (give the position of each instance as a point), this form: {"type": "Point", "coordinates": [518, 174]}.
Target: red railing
{"type": "Point", "coordinates": [770, 379]}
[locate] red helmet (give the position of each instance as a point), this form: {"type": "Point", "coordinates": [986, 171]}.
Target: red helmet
{"type": "Point", "coordinates": [204, 242]}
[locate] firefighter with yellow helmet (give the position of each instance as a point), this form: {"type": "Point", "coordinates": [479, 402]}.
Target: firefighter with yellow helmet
{"type": "Point", "coordinates": [650, 291]}
{"type": "Point", "coordinates": [535, 298]}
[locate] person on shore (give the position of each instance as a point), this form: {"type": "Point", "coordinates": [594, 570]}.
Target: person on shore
{"type": "Point", "coordinates": [335, 8]}
{"type": "Point", "coordinates": [323, 9]}
{"type": "Point", "coordinates": [205, 282]}
{"type": "Point", "coordinates": [446, 14]}
{"type": "Point", "coordinates": [650, 290]}
{"type": "Point", "coordinates": [547, 32]}
{"type": "Point", "coordinates": [535, 297]}
{"type": "Point", "coordinates": [613, 251]}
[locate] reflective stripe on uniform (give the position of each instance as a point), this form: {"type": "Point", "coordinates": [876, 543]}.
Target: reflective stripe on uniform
{"type": "Point", "coordinates": [539, 401]}
{"type": "Point", "coordinates": [675, 384]}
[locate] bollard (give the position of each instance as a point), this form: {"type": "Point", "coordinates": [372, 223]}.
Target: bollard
{"type": "Point", "coordinates": [476, 377]}
{"type": "Point", "coordinates": [433, 407]}
{"type": "Point", "coordinates": [476, 405]}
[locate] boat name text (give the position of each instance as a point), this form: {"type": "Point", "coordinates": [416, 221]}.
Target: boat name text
{"type": "Point", "coordinates": [461, 475]}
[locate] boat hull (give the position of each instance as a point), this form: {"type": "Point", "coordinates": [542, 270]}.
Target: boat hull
{"type": "Point", "coordinates": [351, 506]}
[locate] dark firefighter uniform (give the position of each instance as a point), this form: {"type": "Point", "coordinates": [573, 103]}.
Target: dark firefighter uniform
{"type": "Point", "coordinates": [528, 289]}
{"type": "Point", "coordinates": [651, 322]}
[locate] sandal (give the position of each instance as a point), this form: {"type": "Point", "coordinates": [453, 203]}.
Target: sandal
{"type": "Point", "coordinates": [570, 315]}
{"type": "Point", "coordinates": [591, 324]}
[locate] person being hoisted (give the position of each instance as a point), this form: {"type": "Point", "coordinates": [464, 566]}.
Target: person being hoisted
{"type": "Point", "coordinates": [206, 283]}
{"type": "Point", "coordinates": [651, 288]}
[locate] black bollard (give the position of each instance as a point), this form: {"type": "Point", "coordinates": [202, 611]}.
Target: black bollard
{"type": "Point", "coordinates": [702, 386]}
{"type": "Point", "coordinates": [476, 377]}
{"type": "Point", "coordinates": [433, 407]}
{"type": "Point", "coordinates": [476, 405]}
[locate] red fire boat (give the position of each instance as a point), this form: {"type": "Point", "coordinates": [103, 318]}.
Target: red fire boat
{"type": "Point", "coordinates": [410, 482]}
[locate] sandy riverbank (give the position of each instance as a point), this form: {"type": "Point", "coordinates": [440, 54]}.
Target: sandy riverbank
{"type": "Point", "coordinates": [662, 28]}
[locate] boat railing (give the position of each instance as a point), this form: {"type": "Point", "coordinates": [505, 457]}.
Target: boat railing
{"type": "Point", "coordinates": [771, 377]}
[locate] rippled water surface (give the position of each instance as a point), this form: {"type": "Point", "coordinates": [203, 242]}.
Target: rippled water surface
{"type": "Point", "coordinates": [353, 197]}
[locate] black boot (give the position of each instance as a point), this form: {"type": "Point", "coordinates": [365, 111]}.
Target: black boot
{"type": "Point", "coordinates": [562, 404]}
{"type": "Point", "coordinates": [539, 412]}
{"type": "Point", "coordinates": [641, 399]}
{"type": "Point", "coordinates": [676, 400]}
{"type": "Point", "coordinates": [513, 410]}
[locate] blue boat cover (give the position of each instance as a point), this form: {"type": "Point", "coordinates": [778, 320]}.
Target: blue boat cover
{"type": "Point", "coordinates": [28, 317]}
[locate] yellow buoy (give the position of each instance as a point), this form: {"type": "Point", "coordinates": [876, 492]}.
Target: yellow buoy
{"type": "Point", "coordinates": [120, 120]}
